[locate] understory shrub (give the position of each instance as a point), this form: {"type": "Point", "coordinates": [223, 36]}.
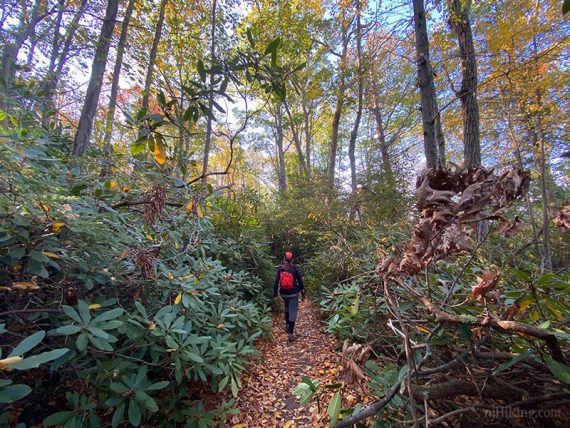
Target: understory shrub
{"type": "Point", "coordinates": [127, 312]}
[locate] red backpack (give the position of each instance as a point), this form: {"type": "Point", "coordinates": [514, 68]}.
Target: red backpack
{"type": "Point", "coordinates": [286, 280]}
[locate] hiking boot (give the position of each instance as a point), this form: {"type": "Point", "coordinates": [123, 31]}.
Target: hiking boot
{"type": "Point", "coordinates": [292, 337]}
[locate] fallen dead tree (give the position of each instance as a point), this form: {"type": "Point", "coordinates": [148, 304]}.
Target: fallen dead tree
{"type": "Point", "coordinates": [450, 203]}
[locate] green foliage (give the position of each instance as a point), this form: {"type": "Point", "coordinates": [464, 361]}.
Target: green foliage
{"type": "Point", "coordinates": [151, 311]}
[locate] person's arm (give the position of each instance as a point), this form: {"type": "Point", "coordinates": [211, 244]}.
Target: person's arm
{"type": "Point", "coordinates": [276, 283]}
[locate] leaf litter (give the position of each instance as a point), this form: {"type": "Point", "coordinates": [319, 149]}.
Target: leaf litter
{"type": "Point", "coordinates": [267, 398]}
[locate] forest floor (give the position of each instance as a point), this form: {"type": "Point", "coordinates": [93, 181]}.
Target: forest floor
{"type": "Point", "coordinates": [267, 398]}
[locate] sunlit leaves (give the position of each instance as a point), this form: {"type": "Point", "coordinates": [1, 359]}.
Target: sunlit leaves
{"type": "Point", "coordinates": [160, 152]}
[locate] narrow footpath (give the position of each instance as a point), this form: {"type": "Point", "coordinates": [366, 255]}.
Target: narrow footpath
{"type": "Point", "coordinates": [267, 399]}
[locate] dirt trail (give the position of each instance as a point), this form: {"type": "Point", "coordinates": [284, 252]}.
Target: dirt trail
{"type": "Point", "coordinates": [267, 398]}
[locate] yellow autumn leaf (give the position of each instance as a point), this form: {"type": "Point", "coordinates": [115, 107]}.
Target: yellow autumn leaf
{"type": "Point", "coordinates": [289, 424]}
{"type": "Point", "coordinates": [178, 299]}
{"type": "Point", "coordinates": [49, 254]}
{"type": "Point", "coordinates": [277, 415]}
{"type": "Point", "coordinates": [149, 238]}
{"type": "Point", "coordinates": [160, 153]}
{"type": "Point", "coordinates": [56, 227]}
{"type": "Point", "coordinates": [220, 326]}
{"type": "Point", "coordinates": [9, 361]}
{"type": "Point", "coordinates": [238, 426]}
{"type": "Point", "coordinates": [94, 306]}
{"type": "Point", "coordinates": [422, 329]}
{"type": "Point", "coordinates": [25, 286]}
{"type": "Point", "coordinates": [188, 207]}
{"type": "Point", "coordinates": [17, 267]}
{"type": "Point", "coordinates": [199, 211]}
{"type": "Point", "coordinates": [44, 207]}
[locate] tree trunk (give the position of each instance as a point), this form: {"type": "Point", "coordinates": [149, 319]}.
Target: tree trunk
{"type": "Point", "coordinates": [339, 103]}
{"type": "Point", "coordinates": [518, 156]}
{"type": "Point", "coordinates": [296, 140]}
{"type": "Point", "coordinates": [25, 31]}
{"type": "Point", "coordinates": [425, 82]}
{"type": "Point", "coordinates": [459, 21]}
{"type": "Point", "coordinates": [109, 120]}
{"type": "Point", "coordinates": [208, 141]}
{"type": "Point", "coordinates": [53, 75]}
{"type": "Point", "coordinates": [85, 127]}
{"type": "Point", "coordinates": [360, 78]}
{"type": "Point", "coordinates": [307, 118]}
{"type": "Point", "coordinates": [439, 137]}
{"type": "Point", "coordinates": [153, 53]}
{"type": "Point", "coordinates": [281, 172]}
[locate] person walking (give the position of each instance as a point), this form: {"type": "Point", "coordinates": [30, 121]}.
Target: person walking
{"type": "Point", "coordinates": [289, 283]}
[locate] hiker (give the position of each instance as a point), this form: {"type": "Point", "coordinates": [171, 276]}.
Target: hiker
{"type": "Point", "coordinates": [290, 284]}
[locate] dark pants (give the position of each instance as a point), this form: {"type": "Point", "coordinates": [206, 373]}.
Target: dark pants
{"type": "Point", "coordinates": [291, 309]}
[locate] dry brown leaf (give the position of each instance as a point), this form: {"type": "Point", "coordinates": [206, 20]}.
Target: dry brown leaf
{"type": "Point", "coordinates": [562, 219]}
{"type": "Point", "coordinates": [486, 283]}
{"type": "Point", "coordinates": [9, 361]}
{"type": "Point", "coordinates": [25, 286]}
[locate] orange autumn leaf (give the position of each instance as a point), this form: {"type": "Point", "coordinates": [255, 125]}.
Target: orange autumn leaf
{"type": "Point", "coordinates": [160, 153]}
{"type": "Point", "coordinates": [486, 283]}
{"type": "Point", "coordinates": [56, 227]}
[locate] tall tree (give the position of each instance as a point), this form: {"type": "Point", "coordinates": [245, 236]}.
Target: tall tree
{"type": "Point", "coordinates": [459, 19]}
{"type": "Point", "coordinates": [360, 83]}
{"type": "Point", "coordinates": [85, 127]}
{"type": "Point", "coordinates": [279, 142]}
{"type": "Point", "coordinates": [340, 100]}
{"type": "Point", "coordinates": [425, 82]}
{"type": "Point", "coordinates": [58, 59]}
{"type": "Point", "coordinates": [26, 28]}
{"type": "Point", "coordinates": [153, 53]}
{"type": "Point", "coordinates": [109, 120]}
{"type": "Point", "coordinates": [208, 140]}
